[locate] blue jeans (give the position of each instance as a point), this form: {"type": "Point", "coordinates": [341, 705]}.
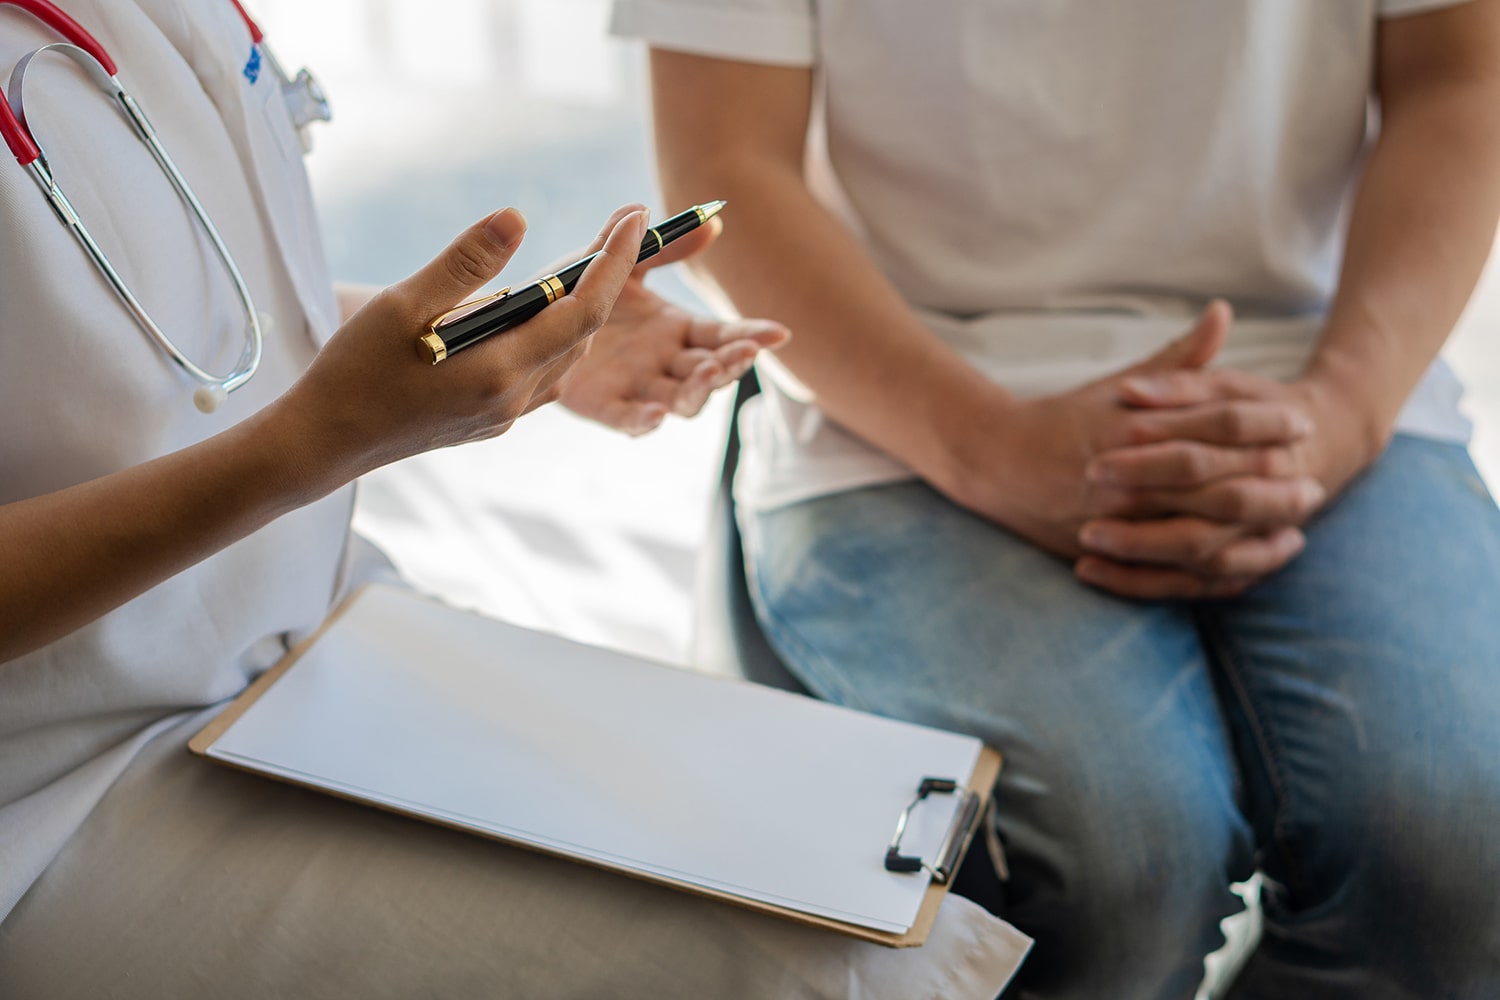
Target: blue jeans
{"type": "Point", "coordinates": [1337, 727]}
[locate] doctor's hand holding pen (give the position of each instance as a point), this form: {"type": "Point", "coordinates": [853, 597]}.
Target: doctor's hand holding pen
{"type": "Point", "coordinates": [612, 351]}
{"type": "Point", "coordinates": [650, 358]}
{"type": "Point", "coordinates": [369, 399]}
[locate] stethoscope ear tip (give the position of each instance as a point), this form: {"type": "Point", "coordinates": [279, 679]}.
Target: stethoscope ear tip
{"type": "Point", "coordinates": [208, 398]}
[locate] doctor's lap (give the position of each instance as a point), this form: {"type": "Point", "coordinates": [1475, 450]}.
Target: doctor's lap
{"type": "Point", "coordinates": [127, 867]}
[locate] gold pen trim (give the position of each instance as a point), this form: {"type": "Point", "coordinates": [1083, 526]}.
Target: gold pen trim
{"type": "Point", "coordinates": [660, 243]}
{"type": "Point", "coordinates": [552, 287]}
{"type": "Point", "coordinates": [458, 312]}
{"type": "Point", "coordinates": [432, 348]}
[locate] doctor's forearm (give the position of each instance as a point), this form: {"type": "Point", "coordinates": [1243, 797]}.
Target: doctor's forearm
{"type": "Point", "coordinates": [69, 557]}
{"type": "Point", "coordinates": [1424, 220]}
{"type": "Point", "coordinates": [66, 558]}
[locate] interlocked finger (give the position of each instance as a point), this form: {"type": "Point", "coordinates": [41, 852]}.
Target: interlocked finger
{"type": "Point", "coordinates": [1242, 500]}
{"type": "Point", "coordinates": [1150, 583]}
{"type": "Point", "coordinates": [1179, 464]}
{"type": "Point", "coordinates": [1205, 548]}
{"type": "Point", "coordinates": [1232, 422]}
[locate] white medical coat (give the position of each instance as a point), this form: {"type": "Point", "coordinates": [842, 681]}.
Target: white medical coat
{"type": "Point", "coordinates": [84, 394]}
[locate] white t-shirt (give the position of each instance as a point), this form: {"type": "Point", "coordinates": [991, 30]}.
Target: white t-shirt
{"type": "Point", "coordinates": [1057, 187]}
{"type": "Point", "coordinates": [83, 393]}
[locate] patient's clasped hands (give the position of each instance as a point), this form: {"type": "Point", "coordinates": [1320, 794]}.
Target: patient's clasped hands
{"type": "Point", "coordinates": [1167, 480]}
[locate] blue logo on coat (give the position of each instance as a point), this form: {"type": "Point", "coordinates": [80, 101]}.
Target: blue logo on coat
{"type": "Point", "coordinates": [252, 68]}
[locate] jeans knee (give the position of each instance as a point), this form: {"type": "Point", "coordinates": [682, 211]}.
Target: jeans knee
{"type": "Point", "coordinates": [1433, 848]}
{"type": "Point", "coordinates": [1407, 874]}
{"type": "Point", "coordinates": [1130, 885]}
{"type": "Point", "coordinates": [1167, 877]}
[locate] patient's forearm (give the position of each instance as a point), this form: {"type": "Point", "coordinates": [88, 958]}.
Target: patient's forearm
{"type": "Point", "coordinates": [873, 365]}
{"type": "Point", "coordinates": [1424, 220]}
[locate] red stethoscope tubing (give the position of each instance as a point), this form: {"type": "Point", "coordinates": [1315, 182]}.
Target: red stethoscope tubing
{"type": "Point", "coordinates": [17, 136]}
{"type": "Point", "coordinates": [256, 35]}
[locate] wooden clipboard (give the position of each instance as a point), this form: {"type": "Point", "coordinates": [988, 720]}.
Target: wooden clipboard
{"type": "Point", "coordinates": [980, 782]}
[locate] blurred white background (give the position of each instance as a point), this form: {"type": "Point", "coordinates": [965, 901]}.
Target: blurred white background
{"type": "Point", "coordinates": [449, 109]}
{"type": "Point", "coordinates": [445, 111]}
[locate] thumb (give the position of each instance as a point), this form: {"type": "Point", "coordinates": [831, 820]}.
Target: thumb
{"type": "Point", "coordinates": [1197, 347]}
{"type": "Point", "coordinates": [469, 262]}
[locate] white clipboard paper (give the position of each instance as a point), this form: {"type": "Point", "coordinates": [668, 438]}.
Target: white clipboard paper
{"type": "Point", "coordinates": [730, 789]}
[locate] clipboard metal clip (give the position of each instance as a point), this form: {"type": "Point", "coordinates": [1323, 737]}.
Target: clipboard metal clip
{"type": "Point", "coordinates": [953, 842]}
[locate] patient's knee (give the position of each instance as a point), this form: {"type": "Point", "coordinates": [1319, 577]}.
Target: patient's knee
{"type": "Point", "coordinates": [1129, 883]}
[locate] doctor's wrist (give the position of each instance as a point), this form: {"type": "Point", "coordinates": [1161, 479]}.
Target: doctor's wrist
{"type": "Point", "coordinates": [308, 458]}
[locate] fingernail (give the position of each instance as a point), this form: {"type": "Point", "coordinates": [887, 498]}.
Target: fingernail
{"type": "Point", "coordinates": [1086, 570]}
{"type": "Point", "coordinates": [1302, 424]}
{"type": "Point", "coordinates": [1100, 472]}
{"type": "Point", "coordinates": [1139, 386]}
{"type": "Point", "coordinates": [632, 220]}
{"type": "Point", "coordinates": [1092, 536]}
{"type": "Point", "coordinates": [506, 225]}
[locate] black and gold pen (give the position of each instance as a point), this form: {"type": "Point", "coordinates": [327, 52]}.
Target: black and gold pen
{"type": "Point", "coordinates": [473, 321]}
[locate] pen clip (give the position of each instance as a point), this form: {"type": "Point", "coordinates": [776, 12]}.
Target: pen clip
{"type": "Point", "coordinates": [460, 311]}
